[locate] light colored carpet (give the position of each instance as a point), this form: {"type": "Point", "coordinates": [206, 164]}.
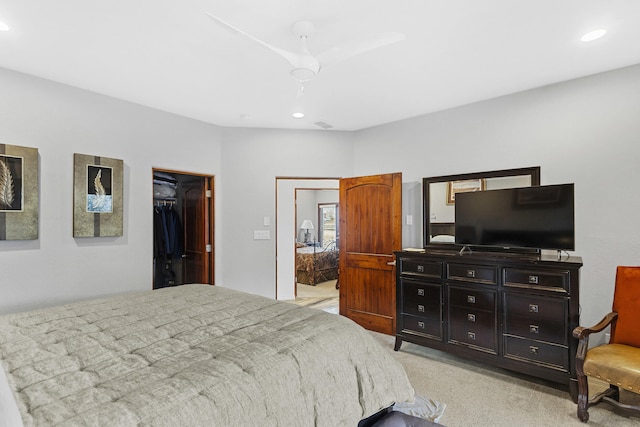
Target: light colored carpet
{"type": "Point", "coordinates": [479, 395]}
{"type": "Point", "coordinates": [326, 289]}
{"type": "Point", "coordinates": [323, 296]}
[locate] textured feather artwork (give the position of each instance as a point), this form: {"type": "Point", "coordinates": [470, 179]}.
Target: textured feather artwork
{"type": "Point", "coordinates": [7, 194]}
{"type": "Point", "coordinates": [101, 195]}
{"type": "Point", "coordinates": [97, 196]}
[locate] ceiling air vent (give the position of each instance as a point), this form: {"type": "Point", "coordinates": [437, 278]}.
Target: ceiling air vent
{"type": "Point", "coordinates": [323, 125]}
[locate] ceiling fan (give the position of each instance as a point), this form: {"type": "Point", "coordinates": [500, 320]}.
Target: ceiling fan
{"type": "Point", "coordinates": [307, 66]}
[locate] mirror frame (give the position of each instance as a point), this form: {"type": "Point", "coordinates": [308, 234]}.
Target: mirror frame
{"type": "Point", "coordinates": [533, 172]}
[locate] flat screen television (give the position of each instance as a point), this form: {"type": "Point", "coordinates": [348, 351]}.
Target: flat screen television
{"type": "Point", "coordinates": [535, 218]}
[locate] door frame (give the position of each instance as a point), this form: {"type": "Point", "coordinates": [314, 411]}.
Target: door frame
{"type": "Point", "coordinates": [286, 187]}
{"type": "Point", "coordinates": [209, 219]}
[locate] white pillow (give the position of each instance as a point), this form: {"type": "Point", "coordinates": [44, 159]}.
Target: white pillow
{"type": "Point", "coordinates": [9, 413]}
{"type": "Point", "coordinates": [443, 238]}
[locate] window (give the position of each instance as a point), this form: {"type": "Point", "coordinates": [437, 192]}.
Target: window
{"type": "Point", "coordinates": [328, 223]}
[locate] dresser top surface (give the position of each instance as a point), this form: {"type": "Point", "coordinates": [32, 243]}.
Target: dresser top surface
{"type": "Point", "coordinates": [494, 257]}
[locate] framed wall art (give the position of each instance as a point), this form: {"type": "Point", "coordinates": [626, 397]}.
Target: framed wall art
{"type": "Point", "coordinates": [463, 186]}
{"type": "Point", "coordinates": [18, 192]}
{"type": "Point", "coordinates": [97, 196]}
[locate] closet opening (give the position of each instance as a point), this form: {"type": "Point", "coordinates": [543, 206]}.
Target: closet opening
{"type": "Point", "coordinates": [183, 227]}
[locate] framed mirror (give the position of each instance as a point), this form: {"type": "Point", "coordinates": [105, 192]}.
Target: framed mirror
{"type": "Point", "coordinates": [438, 198]}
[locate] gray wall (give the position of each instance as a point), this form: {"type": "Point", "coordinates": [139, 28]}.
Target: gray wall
{"type": "Point", "coordinates": [307, 208]}
{"type": "Point", "coordinates": [59, 121]}
{"type": "Point", "coordinates": [252, 159]}
{"type": "Point", "coordinates": [584, 131]}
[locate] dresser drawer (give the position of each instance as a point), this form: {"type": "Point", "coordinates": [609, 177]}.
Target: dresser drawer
{"type": "Point", "coordinates": [423, 268]}
{"type": "Point", "coordinates": [421, 299]}
{"type": "Point", "coordinates": [472, 298]}
{"type": "Point", "coordinates": [474, 327]}
{"type": "Point", "coordinates": [473, 273]}
{"type": "Point", "coordinates": [553, 332]}
{"type": "Point", "coordinates": [421, 325]}
{"type": "Point", "coordinates": [534, 351]}
{"type": "Point", "coordinates": [552, 280]}
{"type": "Point", "coordinates": [535, 308]}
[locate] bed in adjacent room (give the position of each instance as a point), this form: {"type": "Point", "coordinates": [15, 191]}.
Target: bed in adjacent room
{"type": "Point", "coordinates": [193, 355]}
{"type": "Point", "coordinates": [316, 264]}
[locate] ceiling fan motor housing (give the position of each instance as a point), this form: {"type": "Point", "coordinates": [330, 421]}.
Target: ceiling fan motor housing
{"type": "Point", "coordinates": [303, 29]}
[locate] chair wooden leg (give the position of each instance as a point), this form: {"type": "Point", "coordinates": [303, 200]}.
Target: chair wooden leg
{"type": "Point", "coordinates": [583, 398]}
{"type": "Point", "coordinates": [610, 395]}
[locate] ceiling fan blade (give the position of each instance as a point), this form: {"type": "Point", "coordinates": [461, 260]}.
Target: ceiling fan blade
{"type": "Point", "coordinates": [292, 57]}
{"type": "Point", "coordinates": [343, 52]}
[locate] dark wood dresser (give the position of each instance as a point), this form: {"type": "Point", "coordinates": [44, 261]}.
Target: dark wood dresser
{"type": "Point", "coordinates": [512, 311]}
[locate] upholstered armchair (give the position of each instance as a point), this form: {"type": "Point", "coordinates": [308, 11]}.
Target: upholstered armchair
{"type": "Point", "coordinates": [618, 362]}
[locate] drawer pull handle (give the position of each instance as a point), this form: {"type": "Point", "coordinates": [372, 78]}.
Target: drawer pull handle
{"type": "Point", "coordinates": [471, 335]}
{"type": "Point", "coordinates": [533, 280]}
{"type": "Point", "coordinates": [471, 299]}
{"type": "Point", "coordinates": [420, 269]}
{"type": "Point", "coordinates": [421, 292]}
{"type": "Point", "coordinates": [471, 317]}
{"type": "Point", "coordinates": [421, 325]}
{"type": "Point", "coordinates": [533, 349]}
{"type": "Point", "coordinates": [471, 273]}
{"type": "Point", "coordinates": [534, 329]}
{"type": "Point", "coordinates": [533, 308]}
{"type": "Point", "coordinates": [421, 308]}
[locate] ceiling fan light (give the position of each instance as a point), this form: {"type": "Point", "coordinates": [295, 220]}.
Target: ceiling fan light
{"type": "Point", "coordinates": [303, 74]}
{"type": "Point", "coordinates": [593, 35]}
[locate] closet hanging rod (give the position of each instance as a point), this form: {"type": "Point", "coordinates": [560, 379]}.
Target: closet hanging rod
{"type": "Point", "coordinates": [165, 201]}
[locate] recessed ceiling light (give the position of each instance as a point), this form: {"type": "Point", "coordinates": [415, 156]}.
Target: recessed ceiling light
{"type": "Point", "coordinates": [298, 115]}
{"type": "Point", "coordinates": [3, 26]}
{"type": "Point", "coordinates": [593, 35]}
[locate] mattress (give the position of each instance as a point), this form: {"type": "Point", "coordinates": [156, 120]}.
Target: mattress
{"type": "Point", "coordinates": [194, 355]}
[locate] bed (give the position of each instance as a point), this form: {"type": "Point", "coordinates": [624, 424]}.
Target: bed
{"type": "Point", "coordinates": [316, 264]}
{"type": "Point", "coordinates": [192, 355]}
{"type": "Point", "coordinates": [442, 232]}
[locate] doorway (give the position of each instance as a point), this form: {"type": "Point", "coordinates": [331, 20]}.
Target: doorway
{"type": "Point", "coordinates": [316, 257]}
{"type": "Point", "coordinates": [288, 231]}
{"type": "Point", "coordinates": [370, 223]}
{"type": "Point", "coordinates": [183, 228]}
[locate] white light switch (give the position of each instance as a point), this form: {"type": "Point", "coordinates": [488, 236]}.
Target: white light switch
{"type": "Point", "coordinates": [409, 219]}
{"type": "Point", "coordinates": [267, 221]}
{"type": "Point", "coordinates": [261, 235]}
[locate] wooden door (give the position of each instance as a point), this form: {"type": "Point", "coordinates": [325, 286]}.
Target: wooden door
{"type": "Point", "coordinates": [370, 231]}
{"type": "Point", "coordinates": [197, 203]}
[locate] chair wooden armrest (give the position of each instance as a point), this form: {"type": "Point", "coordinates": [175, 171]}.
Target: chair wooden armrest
{"type": "Point", "coordinates": [583, 332]}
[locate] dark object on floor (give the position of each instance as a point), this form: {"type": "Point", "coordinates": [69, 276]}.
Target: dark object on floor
{"type": "Point", "coordinates": [399, 419]}
{"type": "Point", "coordinates": [389, 418]}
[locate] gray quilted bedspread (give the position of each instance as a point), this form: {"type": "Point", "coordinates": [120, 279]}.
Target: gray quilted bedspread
{"type": "Point", "coordinates": [195, 355]}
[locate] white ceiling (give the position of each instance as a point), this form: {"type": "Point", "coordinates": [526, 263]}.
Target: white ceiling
{"type": "Point", "coordinates": [167, 54]}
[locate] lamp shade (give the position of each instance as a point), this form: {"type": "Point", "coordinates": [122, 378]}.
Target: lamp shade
{"type": "Point", "coordinates": [307, 225]}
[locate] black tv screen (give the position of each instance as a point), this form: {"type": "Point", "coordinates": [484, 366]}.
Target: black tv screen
{"type": "Point", "coordinates": [532, 217]}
